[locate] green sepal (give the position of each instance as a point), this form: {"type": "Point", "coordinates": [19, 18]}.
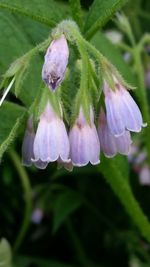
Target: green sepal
{"type": "Point", "coordinates": [45, 96]}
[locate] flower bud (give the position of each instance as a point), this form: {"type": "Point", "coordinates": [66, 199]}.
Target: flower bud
{"type": "Point", "coordinates": [84, 142]}
{"type": "Point", "coordinates": [56, 60]}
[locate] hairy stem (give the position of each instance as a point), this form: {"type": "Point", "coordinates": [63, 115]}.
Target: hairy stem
{"type": "Point", "coordinates": [142, 96]}
{"type": "Point", "coordinates": [122, 189]}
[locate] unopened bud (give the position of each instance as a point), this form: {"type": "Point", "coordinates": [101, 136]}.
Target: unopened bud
{"type": "Point", "coordinates": [56, 60]}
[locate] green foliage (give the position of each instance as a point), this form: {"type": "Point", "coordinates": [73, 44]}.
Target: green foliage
{"type": "Point", "coordinates": [47, 12]}
{"type": "Point", "coordinates": [100, 12]}
{"type": "Point", "coordinates": [65, 204]}
{"type": "Point", "coordinates": [121, 187]}
{"type": "Point", "coordinates": [5, 253]}
{"type": "Point", "coordinates": [11, 117]}
{"type": "Point", "coordinates": [113, 54]}
{"type": "Point", "coordinates": [24, 24]}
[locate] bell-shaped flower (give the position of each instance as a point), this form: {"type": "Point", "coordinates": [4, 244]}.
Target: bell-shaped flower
{"type": "Point", "coordinates": [110, 144]}
{"type": "Point", "coordinates": [121, 110]}
{"type": "Point", "coordinates": [56, 60]}
{"type": "Point", "coordinates": [27, 147]}
{"type": "Point", "coordinates": [51, 140]}
{"type": "Point", "coordinates": [84, 142]}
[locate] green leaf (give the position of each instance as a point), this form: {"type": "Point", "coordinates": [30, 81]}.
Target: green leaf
{"type": "Point", "coordinates": [100, 12]}
{"type": "Point", "coordinates": [122, 189]}
{"type": "Point", "coordinates": [47, 12]}
{"type": "Point", "coordinates": [5, 253]}
{"type": "Point", "coordinates": [15, 47]}
{"type": "Point", "coordinates": [113, 54]}
{"type": "Point", "coordinates": [66, 203]}
{"type": "Point", "coordinates": [11, 117]}
{"type": "Point", "coordinates": [76, 11]}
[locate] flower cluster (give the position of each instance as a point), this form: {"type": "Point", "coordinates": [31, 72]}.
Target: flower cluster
{"type": "Point", "coordinates": [118, 116]}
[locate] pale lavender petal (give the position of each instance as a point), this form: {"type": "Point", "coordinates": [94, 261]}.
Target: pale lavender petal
{"type": "Point", "coordinates": [64, 146]}
{"type": "Point", "coordinates": [107, 140]}
{"type": "Point", "coordinates": [27, 148]}
{"type": "Point", "coordinates": [84, 142]}
{"type": "Point", "coordinates": [94, 147]}
{"type": "Point", "coordinates": [110, 144]}
{"type": "Point", "coordinates": [123, 143]}
{"type": "Point", "coordinates": [114, 118]}
{"type": "Point", "coordinates": [84, 145]}
{"type": "Point", "coordinates": [51, 141]}
{"type": "Point", "coordinates": [40, 164]}
{"type": "Point", "coordinates": [130, 112]}
{"type": "Point", "coordinates": [56, 60]}
{"type": "Point", "coordinates": [41, 142]}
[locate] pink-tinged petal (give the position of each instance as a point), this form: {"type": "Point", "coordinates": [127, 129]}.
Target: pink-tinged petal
{"type": "Point", "coordinates": [56, 60]}
{"type": "Point", "coordinates": [130, 112]}
{"type": "Point", "coordinates": [123, 143]}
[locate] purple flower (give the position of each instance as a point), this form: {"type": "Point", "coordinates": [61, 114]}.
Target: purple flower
{"type": "Point", "coordinates": [27, 147]}
{"type": "Point", "coordinates": [67, 165]}
{"type": "Point", "coordinates": [56, 60]}
{"type": "Point", "coordinates": [110, 144]}
{"type": "Point", "coordinates": [121, 110]}
{"type": "Point", "coordinates": [51, 140]}
{"type": "Point", "coordinates": [84, 142]}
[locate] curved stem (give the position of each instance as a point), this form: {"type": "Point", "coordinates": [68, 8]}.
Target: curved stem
{"type": "Point", "coordinates": [142, 95]}
{"type": "Point", "coordinates": [27, 196]}
{"type": "Point", "coordinates": [122, 189]}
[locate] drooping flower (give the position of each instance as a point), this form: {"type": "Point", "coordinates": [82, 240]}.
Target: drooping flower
{"type": "Point", "coordinates": [121, 110]}
{"type": "Point", "coordinates": [84, 142]}
{"type": "Point", "coordinates": [51, 140]}
{"type": "Point", "coordinates": [27, 147]}
{"type": "Point", "coordinates": [110, 144]}
{"type": "Point", "coordinates": [56, 60]}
